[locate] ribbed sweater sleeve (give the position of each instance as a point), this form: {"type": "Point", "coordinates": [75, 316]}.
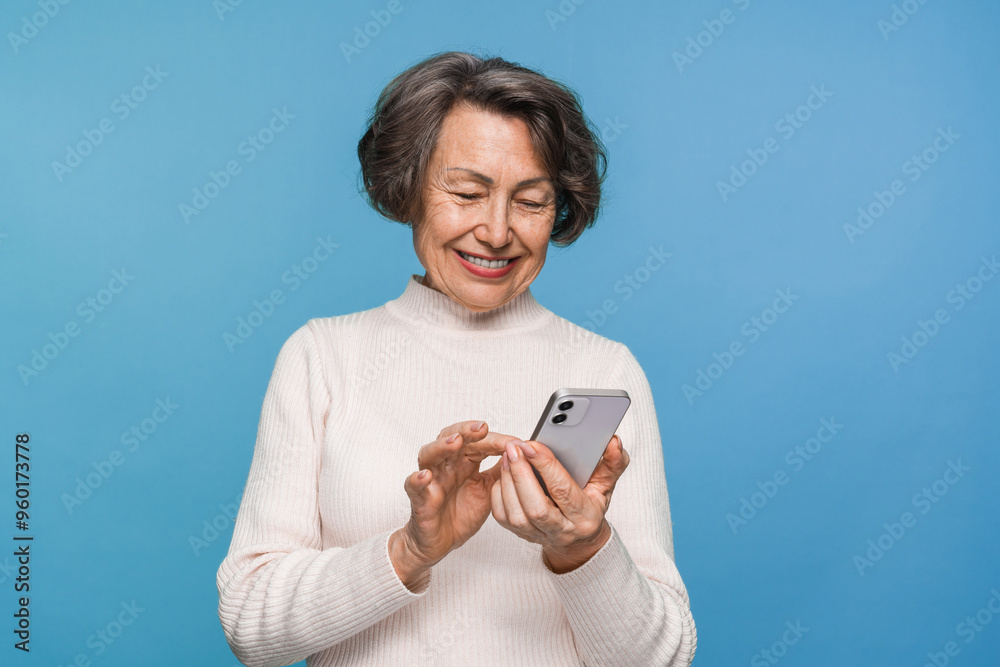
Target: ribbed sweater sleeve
{"type": "Point", "coordinates": [629, 606]}
{"type": "Point", "coordinates": [282, 596]}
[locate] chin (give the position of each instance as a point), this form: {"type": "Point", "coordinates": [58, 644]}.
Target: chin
{"type": "Point", "coordinates": [483, 297]}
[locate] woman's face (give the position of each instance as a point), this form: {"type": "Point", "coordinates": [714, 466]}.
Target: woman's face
{"type": "Point", "coordinates": [486, 194]}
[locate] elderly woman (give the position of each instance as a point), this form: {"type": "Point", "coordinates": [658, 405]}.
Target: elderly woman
{"type": "Point", "coordinates": [364, 535]}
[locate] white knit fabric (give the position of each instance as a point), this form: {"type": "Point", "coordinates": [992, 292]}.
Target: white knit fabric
{"type": "Point", "coordinates": [351, 400]}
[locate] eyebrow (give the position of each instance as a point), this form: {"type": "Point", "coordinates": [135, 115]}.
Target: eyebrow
{"type": "Point", "coordinates": [489, 181]}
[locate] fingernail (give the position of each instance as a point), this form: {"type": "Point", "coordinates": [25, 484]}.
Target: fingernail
{"type": "Point", "coordinates": [422, 474]}
{"type": "Point", "coordinates": [504, 464]}
{"type": "Point", "coordinates": [512, 450]}
{"type": "Point", "coordinates": [528, 450]}
{"type": "Point", "coordinates": [620, 448]}
{"type": "Point", "coordinates": [478, 425]}
{"type": "Point", "coordinates": [451, 438]}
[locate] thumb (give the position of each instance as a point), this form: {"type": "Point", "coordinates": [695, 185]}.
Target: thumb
{"type": "Point", "coordinates": [609, 469]}
{"type": "Point", "coordinates": [561, 487]}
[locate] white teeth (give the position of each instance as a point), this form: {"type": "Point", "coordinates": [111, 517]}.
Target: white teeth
{"type": "Point", "coordinates": [486, 264]}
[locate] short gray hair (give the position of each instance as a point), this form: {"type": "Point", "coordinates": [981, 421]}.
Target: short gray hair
{"type": "Point", "coordinates": [404, 124]}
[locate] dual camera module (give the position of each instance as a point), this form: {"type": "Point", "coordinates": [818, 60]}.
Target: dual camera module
{"type": "Point", "coordinates": [561, 416]}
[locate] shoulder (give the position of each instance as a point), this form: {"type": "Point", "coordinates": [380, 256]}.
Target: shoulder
{"type": "Point", "coordinates": [578, 341]}
{"type": "Point", "coordinates": [335, 345]}
{"type": "Point", "coordinates": [338, 332]}
{"type": "Point", "coordinates": [610, 358]}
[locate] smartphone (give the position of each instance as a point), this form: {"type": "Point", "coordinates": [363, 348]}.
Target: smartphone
{"type": "Point", "coordinates": [577, 425]}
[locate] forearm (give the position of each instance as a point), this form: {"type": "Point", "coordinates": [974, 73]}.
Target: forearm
{"type": "Point", "coordinates": [277, 608]}
{"type": "Point", "coordinates": [621, 617]}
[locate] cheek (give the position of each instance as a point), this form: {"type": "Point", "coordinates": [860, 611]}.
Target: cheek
{"type": "Point", "coordinates": [446, 220]}
{"type": "Point", "coordinates": [539, 240]}
{"type": "Point", "coordinates": [428, 231]}
{"type": "Point", "coordinates": [539, 255]}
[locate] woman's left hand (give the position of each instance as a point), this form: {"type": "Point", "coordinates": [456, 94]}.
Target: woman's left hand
{"type": "Point", "coordinates": [570, 525]}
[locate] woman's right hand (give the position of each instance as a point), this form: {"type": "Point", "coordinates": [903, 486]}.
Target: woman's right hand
{"type": "Point", "coordinates": [449, 497]}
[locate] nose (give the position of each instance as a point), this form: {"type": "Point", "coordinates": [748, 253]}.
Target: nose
{"type": "Point", "coordinates": [494, 229]}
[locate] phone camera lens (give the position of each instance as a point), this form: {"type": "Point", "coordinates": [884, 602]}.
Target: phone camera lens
{"type": "Point", "coordinates": [559, 418]}
{"type": "Point", "coordinates": [566, 405]}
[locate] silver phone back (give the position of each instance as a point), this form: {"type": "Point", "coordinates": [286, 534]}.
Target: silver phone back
{"type": "Point", "coordinates": [581, 439]}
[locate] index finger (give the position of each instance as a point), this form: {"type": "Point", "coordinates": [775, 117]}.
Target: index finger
{"type": "Point", "coordinates": [477, 441]}
{"type": "Point", "coordinates": [482, 443]}
{"type": "Point", "coordinates": [487, 443]}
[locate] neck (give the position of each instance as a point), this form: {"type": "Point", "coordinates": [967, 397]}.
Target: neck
{"type": "Point", "coordinates": [425, 305]}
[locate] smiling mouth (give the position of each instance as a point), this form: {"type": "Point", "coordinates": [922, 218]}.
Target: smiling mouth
{"type": "Point", "coordinates": [485, 262]}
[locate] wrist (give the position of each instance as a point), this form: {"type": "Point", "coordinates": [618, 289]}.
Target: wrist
{"type": "Point", "coordinates": [410, 569]}
{"type": "Point", "coordinates": [561, 561]}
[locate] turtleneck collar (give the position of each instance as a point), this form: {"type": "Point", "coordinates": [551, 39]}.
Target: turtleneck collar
{"type": "Point", "coordinates": [423, 304]}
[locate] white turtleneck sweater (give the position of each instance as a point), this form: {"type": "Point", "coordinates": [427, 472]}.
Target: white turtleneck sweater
{"type": "Point", "coordinates": [351, 400]}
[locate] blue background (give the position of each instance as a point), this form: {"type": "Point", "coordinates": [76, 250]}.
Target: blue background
{"type": "Point", "coordinates": [674, 129]}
